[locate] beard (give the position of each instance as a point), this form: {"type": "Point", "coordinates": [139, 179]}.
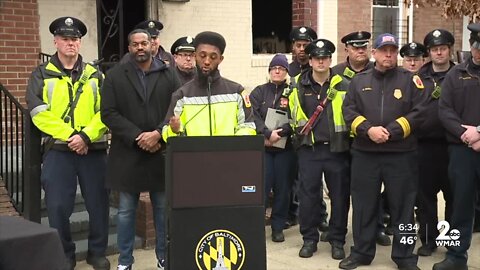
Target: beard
{"type": "Point", "coordinates": [143, 58]}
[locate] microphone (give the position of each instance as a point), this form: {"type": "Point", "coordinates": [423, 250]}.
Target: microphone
{"type": "Point", "coordinates": [209, 94]}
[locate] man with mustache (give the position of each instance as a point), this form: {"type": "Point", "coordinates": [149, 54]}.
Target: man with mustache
{"type": "Point", "coordinates": [209, 105]}
{"type": "Point", "coordinates": [134, 105]}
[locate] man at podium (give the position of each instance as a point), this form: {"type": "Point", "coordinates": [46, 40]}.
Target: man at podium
{"type": "Point", "coordinates": [209, 105]}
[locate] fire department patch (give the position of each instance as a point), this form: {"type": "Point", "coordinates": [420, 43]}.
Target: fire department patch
{"type": "Point", "coordinates": [418, 82]}
{"type": "Point", "coordinates": [220, 250]}
{"type": "Point", "coordinates": [246, 98]}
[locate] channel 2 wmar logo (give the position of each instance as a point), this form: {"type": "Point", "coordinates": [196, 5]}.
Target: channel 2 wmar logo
{"type": "Point", "coordinates": [447, 237]}
{"type": "Point", "coordinates": [220, 250]}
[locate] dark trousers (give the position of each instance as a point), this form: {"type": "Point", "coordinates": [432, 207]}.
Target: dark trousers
{"type": "Point", "coordinates": [433, 178]}
{"type": "Point", "coordinates": [399, 173]}
{"type": "Point", "coordinates": [464, 172]}
{"type": "Point", "coordinates": [60, 172]}
{"type": "Point", "coordinates": [278, 177]}
{"type": "Point", "coordinates": [313, 163]}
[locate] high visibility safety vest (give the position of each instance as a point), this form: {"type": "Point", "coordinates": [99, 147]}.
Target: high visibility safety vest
{"type": "Point", "coordinates": [50, 95]}
{"type": "Point", "coordinates": [338, 129]}
{"type": "Point", "coordinates": [227, 116]}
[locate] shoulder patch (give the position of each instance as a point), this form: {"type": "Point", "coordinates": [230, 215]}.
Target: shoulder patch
{"type": "Point", "coordinates": [418, 82]}
{"type": "Point", "coordinates": [246, 98]}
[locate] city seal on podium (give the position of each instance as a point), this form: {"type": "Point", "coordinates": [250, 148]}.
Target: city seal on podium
{"type": "Point", "coordinates": [220, 250]}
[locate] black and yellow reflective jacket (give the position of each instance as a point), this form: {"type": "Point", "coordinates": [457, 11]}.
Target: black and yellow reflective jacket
{"type": "Point", "coordinates": [51, 92]}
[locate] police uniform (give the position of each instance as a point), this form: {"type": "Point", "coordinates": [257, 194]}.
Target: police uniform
{"type": "Point", "coordinates": [228, 99]}
{"type": "Point", "coordinates": [63, 103]}
{"type": "Point", "coordinates": [154, 27]}
{"type": "Point", "coordinates": [391, 99]}
{"type": "Point", "coordinates": [356, 39]}
{"type": "Point", "coordinates": [322, 151]}
{"type": "Point", "coordinates": [300, 33]}
{"type": "Point", "coordinates": [184, 44]}
{"type": "Point", "coordinates": [458, 106]}
{"type": "Point", "coordinates": [432, 150]}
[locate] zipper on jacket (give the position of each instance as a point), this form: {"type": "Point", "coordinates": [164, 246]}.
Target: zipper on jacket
{"type": "Point", "coordinates": [381, 102]}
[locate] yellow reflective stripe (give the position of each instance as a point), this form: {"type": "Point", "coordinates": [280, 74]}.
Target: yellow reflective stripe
{"type": "Point", "coordinates": [338, 121]}
{"type": "Point", "coordinates": [403, 122]}
{"type": "Point", "coordinates": [38, 109]}
{"type": "Point", "coordinates": [356, 122]}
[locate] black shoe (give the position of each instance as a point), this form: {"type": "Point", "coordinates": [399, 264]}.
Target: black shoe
{"type": "Point", "coordinates": [307, 250]}
{"type": "Point", "coordinates": [383, 239]}
{"type": "Point", "coordinates": [426, 250]}
{"type": "Point", "coordinates": [98, 262]}
{"type": "Point", "coordinates": [448, 264]}
{"type": "Point", "coordinates": [70, 264]}
{"type": "Point", "coordinates": [323, 227]}
{"type": "Point", "coordinates": [338, 253]}
{"type": "Point", "coordinates": [412, 267]}
{"type": "Point", "coordinates": [324, 237]}
{"type": "Point", "coordinates": [351, 263]}
{"type": "Point", "coordinates": [277, 236]}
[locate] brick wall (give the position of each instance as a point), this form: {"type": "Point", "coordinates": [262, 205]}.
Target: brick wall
{"type": "Point", "coordinates": [428, 18]}
{"type": "Point", "coordinates": [304, 12]}
{"type": "Point", "coordinates": [19, 44]}
{"type": "Point", "coordinates": [351, 19]}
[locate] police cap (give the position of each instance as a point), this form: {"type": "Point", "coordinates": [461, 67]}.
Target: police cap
{"type": "Point", "coordinates": [474, 35]}
{"type": "Point", "coordinates": [211, 38]}
{"type": "Point", "coordinates": [303, 33]}
{"type": "Point", "coordinates": [357, 39]}
{"type": "Point", "coordinates": [183, 44]}
{"type": "Point", "coordinates": [320, 47]}
{"type": "Point", "coordinates": [68, 27]}
{"type": "Point", "coordinates": [413, 49]}
{"type": "Point", "coordinates": [438, 37]}
{"type": "Point", "coordinates": [152, 26]}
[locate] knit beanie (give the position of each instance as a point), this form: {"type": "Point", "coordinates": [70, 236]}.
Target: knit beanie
{"type": "Point", "coordinates": [279, 60]}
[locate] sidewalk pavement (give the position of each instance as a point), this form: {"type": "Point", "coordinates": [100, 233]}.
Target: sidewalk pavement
{"type": "Point", "coordinates": [284, 256]}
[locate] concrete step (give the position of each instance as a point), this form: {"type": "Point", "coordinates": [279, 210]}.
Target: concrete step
{"type": "Point", "coordinates": [78, 207]}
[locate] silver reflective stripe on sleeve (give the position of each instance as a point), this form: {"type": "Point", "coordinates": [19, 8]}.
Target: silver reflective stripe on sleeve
{"type": "Point", "coordinates": [50, 87]}
{"type": "Point", "coordinates": [93, 84]}
{"type": "Point", "coordinates": [38, 109]}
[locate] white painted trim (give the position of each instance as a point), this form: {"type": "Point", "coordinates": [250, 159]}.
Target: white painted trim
{"type": "Point", "coordinates": [465, 35]}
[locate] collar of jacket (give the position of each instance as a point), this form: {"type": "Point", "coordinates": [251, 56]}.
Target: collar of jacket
{"type": "Point", "coordinates": [61, 69]}
{"type": "Point", "coordinates": [367, 66]}
{"type": "Point", "coordinates": [381, 74]}
{"type": "Point", "coordinates": [426, 71]}
{"type": "Point", "coordinates": [155, 66]}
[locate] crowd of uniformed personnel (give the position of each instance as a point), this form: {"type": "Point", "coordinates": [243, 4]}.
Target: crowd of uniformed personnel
{"type": "Point", "coordinates": [365, 127]}
{"type": "Point", "coordinates": [361, 126]}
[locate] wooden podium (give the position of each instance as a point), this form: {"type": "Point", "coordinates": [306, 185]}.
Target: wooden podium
{"type": "Point", "coordinates": [215, 203]}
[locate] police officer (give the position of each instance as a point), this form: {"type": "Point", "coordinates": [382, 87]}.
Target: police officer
{"type": "Point", "coordinates": [322, 147]}
{"type": "Point", "coordinates": [413, 54]}
{"type": "Point", "coordinates": [358, 60]}
{"type": "Point", "coordinates": [63, 97]}
{"type": "Point", "coordinates": [356, 46]}
{"type": "Point", "coordinates": [460, 115]}
{"type": "Point", "coordinates": [383, 108]}
{"type": "Point", "coordinates": [184, 54]}
{"type": "Point", "coordinates": [432, 145]}
{"type": "Point", "coordinates": [300, 37]}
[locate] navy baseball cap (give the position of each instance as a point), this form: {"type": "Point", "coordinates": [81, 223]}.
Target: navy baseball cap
{"type": "Point", "coordinates": [384, 40]}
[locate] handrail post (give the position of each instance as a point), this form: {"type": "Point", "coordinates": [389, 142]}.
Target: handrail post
{"type": "Point", "coordinates": [33, 161]}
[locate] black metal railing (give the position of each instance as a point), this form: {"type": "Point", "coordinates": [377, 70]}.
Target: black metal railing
{"type": "Point", "coordinates": [20, 156]}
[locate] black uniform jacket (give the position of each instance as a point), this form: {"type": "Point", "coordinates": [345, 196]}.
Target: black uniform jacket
{"type": "Point", "coordinates": [431, 128]}
{"type": "Point", "coordinates": [380, 99]}
{"type": "Point", "coordinates": [268, 96]}
{"type": "Point", "coordinates": [295, 68]}
{"type": "Point", "coordinates": [459, 102]}
{"type": "Point", "coordinates": [127, 112]}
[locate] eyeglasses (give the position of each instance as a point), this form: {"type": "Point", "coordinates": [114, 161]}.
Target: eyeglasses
{"type": "Point", "coordinates": [185, 55]}
{"type": "Point", "coordinates": [279, 68]}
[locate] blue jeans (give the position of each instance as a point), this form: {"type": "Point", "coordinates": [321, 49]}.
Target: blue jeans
{"type": "Point", "coordinates": [126, 224]}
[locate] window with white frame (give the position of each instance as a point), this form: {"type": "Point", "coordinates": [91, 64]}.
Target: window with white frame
{"type": "Point", "coordinates": [387, 18]}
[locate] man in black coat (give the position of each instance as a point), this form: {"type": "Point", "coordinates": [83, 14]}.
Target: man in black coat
{"type": "Point", "coordinates": [135, 101]}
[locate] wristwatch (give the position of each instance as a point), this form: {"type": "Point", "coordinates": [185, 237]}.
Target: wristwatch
{"type": "Point", "coordinates": [478, 129]}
